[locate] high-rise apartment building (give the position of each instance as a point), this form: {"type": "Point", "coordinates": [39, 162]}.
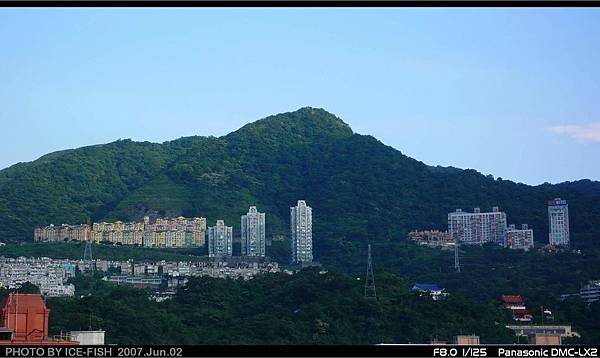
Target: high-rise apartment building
{"type": "Point", "coordinates": [301, 229]}
{"type": "Point", "coordinates": [477, 227]}
{"type": "Point", "coordinates": [220, 240]}
{"type": "Point", "coordinates": [558, 216]}
{"type": "Point", "coordinates": [519, 238]}
{"type": "Point", "coordinates": [253, 233]}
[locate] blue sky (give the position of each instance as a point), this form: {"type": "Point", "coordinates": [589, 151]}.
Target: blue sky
{"type": "Point", "coordinates": [509, 92]}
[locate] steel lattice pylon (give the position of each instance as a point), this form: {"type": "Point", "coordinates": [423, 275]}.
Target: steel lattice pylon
{"type": "Point", "coordinates": [87, 256]}
{"type": "Point", "coordinates": [456, 260]}
{"type": "Point", "coordinates": [370, 291]}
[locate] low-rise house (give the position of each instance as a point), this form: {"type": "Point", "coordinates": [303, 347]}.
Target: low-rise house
{"type": "Point", "coordinates": [466, 340]}
{"type": "Point", "coordinates": [590, 292]}
{"type": "Point", "coordinates": [516, 305]}
{"type": "Point", "coordinates": [436, 292]}
{"type": "Point", "coordinates": [540, 330]}
{"type": "Point", "coordinates": [543, 339]}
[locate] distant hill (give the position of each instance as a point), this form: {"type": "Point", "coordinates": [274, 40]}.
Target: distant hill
{"type": "Point", "coordinates": [360, 189]}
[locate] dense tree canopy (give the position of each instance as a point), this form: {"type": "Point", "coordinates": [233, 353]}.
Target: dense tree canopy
{"type": "Point", "coordinates": [360, 189]}
{"type": "Point", "coordinates": [306, 308]}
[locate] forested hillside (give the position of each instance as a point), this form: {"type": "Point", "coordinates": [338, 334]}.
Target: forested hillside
{"type": "Point", "coordinates": [305, 308]}
{"type": "Point", "coordinates": [360, 189]}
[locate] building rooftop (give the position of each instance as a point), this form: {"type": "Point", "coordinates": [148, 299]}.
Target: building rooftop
{"type": "Point", "coordinates": [23, 302]}
{"type": "Point", "coordinates": [427, 287]}
{"type": "Point", "coordinates": [511, 299]}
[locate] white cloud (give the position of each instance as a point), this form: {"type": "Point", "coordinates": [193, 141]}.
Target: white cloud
{"type": "Point", "coordinates": [589, 132]}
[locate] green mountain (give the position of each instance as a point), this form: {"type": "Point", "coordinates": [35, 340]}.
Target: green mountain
{"type": "Point", "coordinates": [360, 189]}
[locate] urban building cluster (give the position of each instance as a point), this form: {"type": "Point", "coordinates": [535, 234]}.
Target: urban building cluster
{"type": "Point", "coordinates": [177, 232]}
{"type": "Point", "coordinates": [51, 275]}
{"type": "Point", "coordinates": [480, 227]}
{"type": "Point", "coordinates": [220, 236]}
{"type": "Point", "coordinates": [184, 232]}
{"type": "Point", "coordinates": [48, 274]}
{"type": "Point", "coordinates": [175, 274]}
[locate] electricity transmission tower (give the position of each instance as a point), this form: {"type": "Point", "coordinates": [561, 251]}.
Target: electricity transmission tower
{"type": "Point", "coordinates": [88, 262]}
{"type": "Point", "coordinates": [456, 260]}
{"type": "Point", "coordinates": [370, 291]}
{"type": "Point", "coordinates": [87, 256]}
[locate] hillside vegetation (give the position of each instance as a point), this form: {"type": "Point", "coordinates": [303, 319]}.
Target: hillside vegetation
{"type": "Point", "coordinates": [360, 189]}
{"type": "Point", "coordinates": [306, 308]}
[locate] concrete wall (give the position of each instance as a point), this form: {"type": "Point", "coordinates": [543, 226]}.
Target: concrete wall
{"type": "Point", "coordinates": [88, 337]}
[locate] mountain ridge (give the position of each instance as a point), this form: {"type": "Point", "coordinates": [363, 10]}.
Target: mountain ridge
{"type": "Point", "coordinates": [361, 189]}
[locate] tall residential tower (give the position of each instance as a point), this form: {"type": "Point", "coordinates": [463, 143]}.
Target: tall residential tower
{"type": "Point", "coordinates": [558, 216]}
{"type": "Point", "coordinates": [301, 227]}
{"type": "Point", "coordinates": [253, 233]}
{"type": "Point", "coordinates": [220, 239]}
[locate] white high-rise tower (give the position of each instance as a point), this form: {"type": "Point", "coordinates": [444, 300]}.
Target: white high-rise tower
{"type": "Point", "coordinates": [558, 216]}
{"type": "Point", "coordinates": [220, 240]}
{"type": "Point", "coordinates": [301, 228]}
{"type": "Point", "coordinates": [253, 233]}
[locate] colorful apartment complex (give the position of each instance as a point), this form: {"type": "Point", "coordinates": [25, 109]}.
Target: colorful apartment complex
{"type": "Point", "coordinates": [174, 233]}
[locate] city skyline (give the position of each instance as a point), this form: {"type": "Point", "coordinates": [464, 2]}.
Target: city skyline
{"type": "Point", "coordinates": [523, 82]}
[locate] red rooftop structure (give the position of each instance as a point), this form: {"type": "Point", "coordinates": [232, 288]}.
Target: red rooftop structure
{"type": "Point", "coordinates": [516, 305]}
{"type": "Point", "coordinates": [512, 300]}
{"type": "Point", "coordinates": [25, 321]}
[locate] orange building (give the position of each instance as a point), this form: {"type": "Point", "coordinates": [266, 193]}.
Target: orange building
{"type": "Point", "coordinates": [25, 321]}
{"type": "Point", "coordinates": [545, 339]}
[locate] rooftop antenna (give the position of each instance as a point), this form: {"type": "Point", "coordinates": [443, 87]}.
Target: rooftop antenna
{"type": "Point", "coordinates": [370, 291]}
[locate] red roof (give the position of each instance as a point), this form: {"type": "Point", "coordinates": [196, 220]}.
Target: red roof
{"type": "Point", "coordinates": [23, 302]}
{"type": "Point", "coordinates": [512, 299]}
{"type": "Point", "coordinates": [27, 315]}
